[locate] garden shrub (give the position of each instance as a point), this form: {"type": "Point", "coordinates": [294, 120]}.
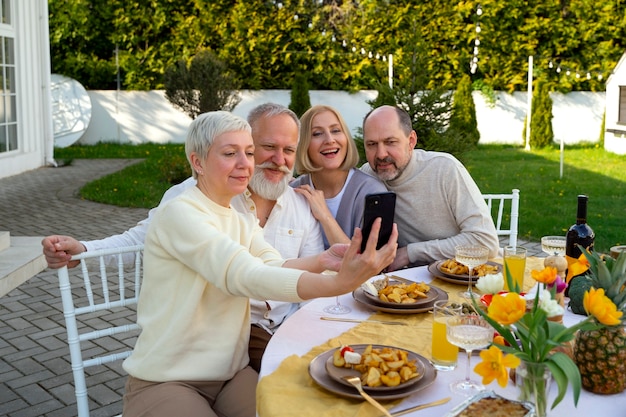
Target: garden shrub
{"type": "Point", "coordinates": [300, 100]}
{"type": "Point", "coordinates": [463, 117]}
{"type": "Point", "coordinates": [204, 85]}
{"type": "Point", "coordinates": [541, 134]}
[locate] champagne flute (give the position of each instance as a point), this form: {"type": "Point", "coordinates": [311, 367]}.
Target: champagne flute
{"type": "Point", "coordinates": [471, 256]}
{"type": "Point", "coordinates": [470, 332]}
{"type": "Point", "coordinates": [553, 245]}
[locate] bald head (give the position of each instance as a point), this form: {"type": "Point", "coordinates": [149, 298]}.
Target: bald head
{"type": "Point", "coordinates": [389, 140]}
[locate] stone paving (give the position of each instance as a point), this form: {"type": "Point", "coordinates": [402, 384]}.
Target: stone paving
{"type": "Point", "coordinates": [35, 374]}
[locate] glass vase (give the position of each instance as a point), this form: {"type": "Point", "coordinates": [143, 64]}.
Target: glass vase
{"type": "Point", "coordinates": [533, 380]}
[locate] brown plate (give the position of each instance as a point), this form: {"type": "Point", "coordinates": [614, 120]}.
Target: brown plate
{"type": "Point", "coordinates": [339, 373]}
{"type": "Point", "coordinates": [431, 296]}
{"type": "Point", "coordinates": [359, 296]}
{"type": "Point", "coordinates": [434, 269]}
{"type": "Point", "coordinates": [317, 370]}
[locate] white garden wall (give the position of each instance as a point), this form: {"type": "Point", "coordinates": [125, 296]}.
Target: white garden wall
{"type": "Point", "coordinates": [137, 117]}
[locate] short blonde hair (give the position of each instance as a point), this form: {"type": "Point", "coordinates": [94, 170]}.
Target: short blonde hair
{"type": "Point", "coordinates": [206, 127]}
{"type": "Point", "coordinates": [304, 165]}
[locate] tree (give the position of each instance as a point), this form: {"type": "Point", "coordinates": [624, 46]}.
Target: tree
{"type": "Point", "coordinates": [541, 134]}
{"type": "Point", "coordinates": [340, 45]}
{"type": "Point", "coordinates": [203, 85]}
{"type": "Point", "coordinates": [384, 97]}
{"type": "Point", "coordinates": [300, 100]}
{"type": "Point", "coordinates": [463, 118]}
{"type": "Point", "coordinates": [429, 108]}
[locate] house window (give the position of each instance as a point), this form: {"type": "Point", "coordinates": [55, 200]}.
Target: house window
{"type": "Point", "coordinates": [621, 113]}
{"type": "Point", "coordinates": [8, 91]}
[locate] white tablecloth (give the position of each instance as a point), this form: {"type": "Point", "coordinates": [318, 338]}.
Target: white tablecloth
{"type": "Point", "coordinates": [305, 330]}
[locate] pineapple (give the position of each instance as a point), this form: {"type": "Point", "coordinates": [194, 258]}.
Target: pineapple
{"type": "Point", "coordinates": [601, 354]}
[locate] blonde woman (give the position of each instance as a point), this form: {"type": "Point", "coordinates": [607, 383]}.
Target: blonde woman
{"type": "Point", "coordinates": [326, 160]}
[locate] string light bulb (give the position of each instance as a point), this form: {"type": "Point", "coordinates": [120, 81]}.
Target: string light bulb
{"type": "Point", "coordinates": [474, 61]}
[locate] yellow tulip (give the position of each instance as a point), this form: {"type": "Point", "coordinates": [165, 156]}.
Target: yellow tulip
{"type": "Point", "coordinates": [494, 366]}
{"type": "Point", "coordinates": [507, 309]}
{"type": "Point", "coordinates": [601, 307]}
{"type": "Point", "coordinates": [576, 266]}
{"type": "Point", "coordinates": [547, 275]}
{"type": "Point", "coordinates": [499, 340]}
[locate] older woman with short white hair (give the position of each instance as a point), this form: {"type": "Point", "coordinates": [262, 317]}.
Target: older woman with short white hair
{"type": "Point", "coordinates": [203, 261]}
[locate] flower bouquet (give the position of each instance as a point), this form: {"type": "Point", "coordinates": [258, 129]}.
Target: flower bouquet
{"type": "Point", "coordinates": [526, 335]}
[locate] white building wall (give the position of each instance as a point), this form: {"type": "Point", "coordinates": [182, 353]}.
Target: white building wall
{"type": "Point", "coordinates": [32, 57]}
{"type": "Point", "coordinates": [615, 141]}
{"type": "Point", "coordinates": [148, 116]}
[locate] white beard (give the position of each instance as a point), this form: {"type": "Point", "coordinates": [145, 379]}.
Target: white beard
{"type": "Point", "coordinates": [267, 189]}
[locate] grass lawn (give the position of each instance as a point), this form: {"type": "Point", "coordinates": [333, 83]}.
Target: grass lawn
{"type": "Point", "coordinates": [547, 201]}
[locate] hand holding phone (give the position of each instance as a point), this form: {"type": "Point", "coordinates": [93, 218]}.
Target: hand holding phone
{"type": "Point", "coordinates": [381, 205]}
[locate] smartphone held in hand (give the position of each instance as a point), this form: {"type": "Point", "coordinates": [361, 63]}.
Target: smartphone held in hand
{"type": "Point", "coordinates": [381, 205]}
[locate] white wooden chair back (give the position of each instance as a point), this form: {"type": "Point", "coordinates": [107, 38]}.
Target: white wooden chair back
{"type": "Point", "coordinates": [498, 205]}
{"type": "Point", "coordinates": [100, 294]}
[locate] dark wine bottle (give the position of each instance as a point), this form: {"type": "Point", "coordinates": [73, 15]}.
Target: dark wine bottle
{"type": "Point", "coordinates": [579, 233]}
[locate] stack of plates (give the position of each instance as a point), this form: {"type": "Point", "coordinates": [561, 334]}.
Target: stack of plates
{"type": "Point", "coordinates": [420, 306]}
{"type": "Point", "coordinates": [325, 374]}
{"type": "Point", "coordinates": [461, 279]}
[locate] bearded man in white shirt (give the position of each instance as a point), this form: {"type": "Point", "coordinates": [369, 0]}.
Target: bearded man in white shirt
{"type": "Point", "coordinates": [285, 216]}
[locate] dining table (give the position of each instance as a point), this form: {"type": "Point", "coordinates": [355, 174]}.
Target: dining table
{"type": "Point", "coordinates": [286, 386]}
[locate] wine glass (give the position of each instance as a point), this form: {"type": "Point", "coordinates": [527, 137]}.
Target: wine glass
{"type": "Point", "coordinates": [470, 332]}
{"type": "Point", "coordinates": [336, 308]}
{"type": "Point", "coordinates": [471, 256]}
{"type": "Point", "coordinates": [553, 245]}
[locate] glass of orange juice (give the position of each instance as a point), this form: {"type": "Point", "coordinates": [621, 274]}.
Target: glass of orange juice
{"type": "Point", "coordinates": [515, 264]}
{"type": "Point", "coordinates": [444, 353]}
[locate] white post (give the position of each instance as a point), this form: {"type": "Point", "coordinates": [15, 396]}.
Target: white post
{"type": "Point", "coordinates": [117, 93]}
{"type": "Point", "coordinates": [390, 70]}
{"type": "Point", "coordinates": [530, 101]}
{"type": "Point", "coordinates": [561, 166]}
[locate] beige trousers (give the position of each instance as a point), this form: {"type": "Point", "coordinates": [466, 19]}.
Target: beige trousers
{"type": "Point", "coordinates": [234, 398]}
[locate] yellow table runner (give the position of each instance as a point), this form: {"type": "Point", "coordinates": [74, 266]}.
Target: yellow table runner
{"type": "Point", "coordinates": [290, 389]}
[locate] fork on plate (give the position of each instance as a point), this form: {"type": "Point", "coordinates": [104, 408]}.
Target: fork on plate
{"type": "Point", "coordinates": [355, 381]}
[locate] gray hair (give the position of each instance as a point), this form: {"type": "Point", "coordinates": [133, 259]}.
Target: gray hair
{"type": "Point", "coordinates": [206, 127]}
{"type": "Point", "coordinates": [270, 110]}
